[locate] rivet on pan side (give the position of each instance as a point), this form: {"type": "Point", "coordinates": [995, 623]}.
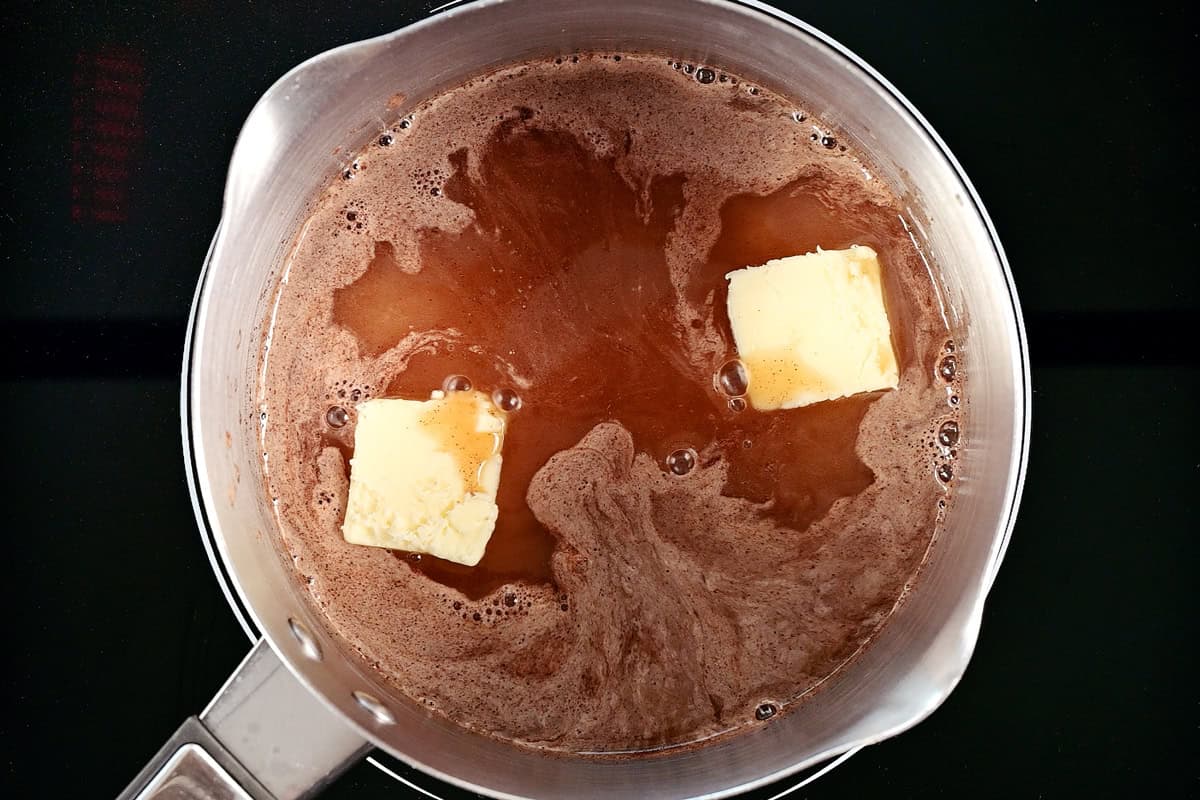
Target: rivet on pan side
{"type": "Point", "coordinates": [375, 708]}
{"type": "Point", "coordinates": [308, 644]}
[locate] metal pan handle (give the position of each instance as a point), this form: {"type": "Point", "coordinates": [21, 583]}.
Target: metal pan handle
{"type": "Point", "coordinates": [264, 736]}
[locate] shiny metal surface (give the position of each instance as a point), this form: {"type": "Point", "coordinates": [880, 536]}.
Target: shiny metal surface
{"type": "Point", "coordinates": [340, 98]}
{"type": "Point", "coordinates": [193, 774]}
{"type": "Point", "coordinates": [263, 736]}
{"type": "Point", "coordinates": [288, 739]}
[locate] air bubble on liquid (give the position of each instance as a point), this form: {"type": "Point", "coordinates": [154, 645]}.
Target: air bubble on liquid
{"type": "Point", "coordinates": [705, 75]}
{"type": "Point", "coordinates": [386, 139]}
{"type": "Point", "coordinates": [798, 116]}
{"type": "Point", "coordinates": [828, 142]}
{"type": "Point", "coordinates": [457, 383]}
{"type": "Point", "coordinates": [948, 368]}
{"type": "Point", "coordinates": [688, 69]}
{"type": "Point", "coordinates": [765, 711]}
{"type": "Point", "coordinates": [506, 399]}
{"type": "Point", "coordinates": [732, 378]}
{"type": "Point", "coordinates": [337, 417]}
{"type": "Point", "coordinates": [948, 434]}
{"type": "Point", "coordinates": [682, 461]}
{"type": "Point", "coordinates": [737, 404]}
{"type": "Point", "coordinates": [945, 472]}
{"type": "Point", "coordinates": [405, 124]}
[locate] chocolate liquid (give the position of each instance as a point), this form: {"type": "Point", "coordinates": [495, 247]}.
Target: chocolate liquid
{"type": "Point", "coordinates": [561, 230]}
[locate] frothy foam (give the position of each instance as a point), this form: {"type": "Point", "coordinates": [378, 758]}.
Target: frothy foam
{"type": "Point", "coordinates": [680, 601]}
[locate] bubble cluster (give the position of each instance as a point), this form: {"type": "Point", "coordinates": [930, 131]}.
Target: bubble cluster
{"type": "Point", "coordinates": [507, 602]}
{"type": "Point", "coordinates": [945, 437]}
{"type": "Point", "coordinates": [349, 390]}
{"type": "Point", "coordinates": [354, 216]}
{"type": "Point", "coordinates": [429, 181]}
{"type": "Point", "coordinates": [702, 74]}
{"type": "Point", "coordinates": [600, 141]}
{"type": "Point", "coordinates": [349, 172]}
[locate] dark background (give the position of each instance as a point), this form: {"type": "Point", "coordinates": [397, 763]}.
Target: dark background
{"type": "Point", "coordinates": [1072, 120]}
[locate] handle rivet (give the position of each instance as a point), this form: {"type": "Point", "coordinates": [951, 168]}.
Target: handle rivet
{"type": "Point", "coordinates": [308, 643]}
{"type": "Point", "coordinates": [375, 708]}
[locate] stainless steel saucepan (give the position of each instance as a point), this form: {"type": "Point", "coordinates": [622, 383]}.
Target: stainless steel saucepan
{"type": "Point", "coordinates": [300, 708]}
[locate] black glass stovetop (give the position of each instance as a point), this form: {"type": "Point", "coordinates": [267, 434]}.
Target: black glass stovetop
{"type": "Point", "coordinates": [1069, 118]}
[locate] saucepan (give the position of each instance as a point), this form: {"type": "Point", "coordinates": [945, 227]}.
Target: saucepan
{"type": "Point", "coordinates": [302, 707]}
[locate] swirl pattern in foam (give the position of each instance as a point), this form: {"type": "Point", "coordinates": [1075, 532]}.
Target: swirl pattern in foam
{"type": "Point", "coordinates": [560, 230]}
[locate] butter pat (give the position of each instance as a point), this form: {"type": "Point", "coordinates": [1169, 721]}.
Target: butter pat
{"type": "Point", "coordinates": [812, 328]}
{"type": "Point", "coordinates": [424, 475]}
